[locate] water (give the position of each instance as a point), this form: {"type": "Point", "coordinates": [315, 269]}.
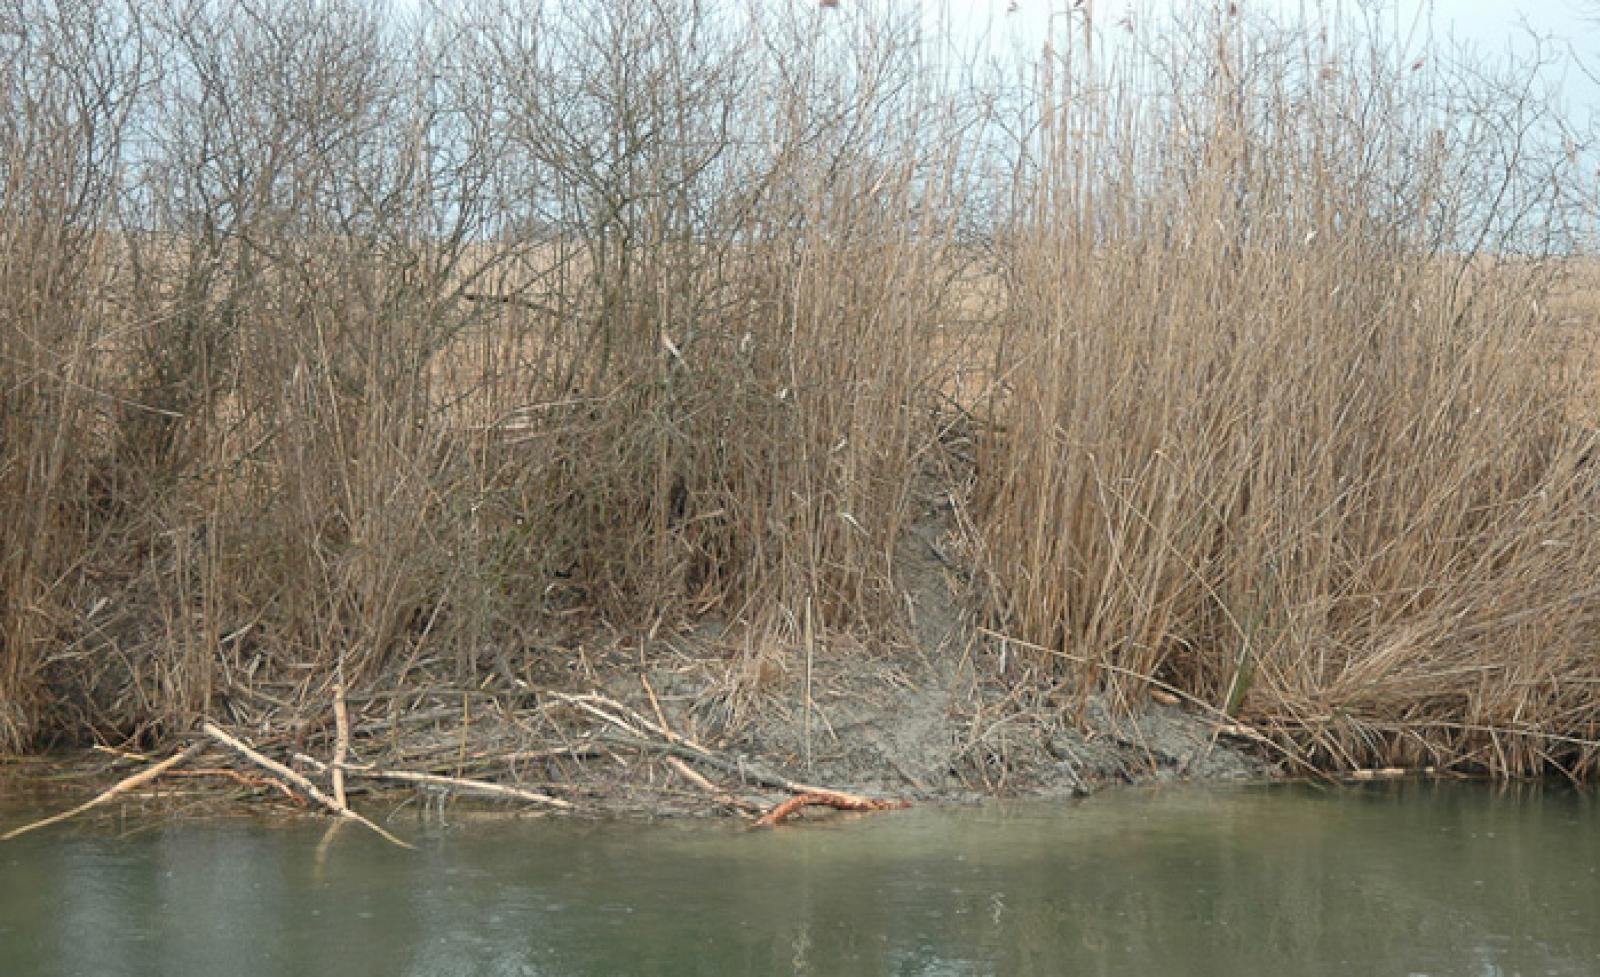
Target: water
{"type": "Point", "coordinates": [1402, 879]}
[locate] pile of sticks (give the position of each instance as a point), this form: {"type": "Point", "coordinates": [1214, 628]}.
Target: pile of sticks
{"type": "Point", "coordinates": [659, 736]}
{"type": "Point", "coordinates": [617, 724]}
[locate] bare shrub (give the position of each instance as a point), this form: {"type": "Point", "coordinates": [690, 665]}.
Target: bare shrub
{"type": "Point", "coordinates": [67, 81]}
{"type": "Point", "coordinates": [403, 348]}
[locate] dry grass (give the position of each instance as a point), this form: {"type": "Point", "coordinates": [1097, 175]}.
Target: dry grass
{"type": "Point", "coordinates": [658, 320]}
{"type": "Point", "coordinates": [1323, 477]}
{"type": "Point", "coordinates": [364, 407]}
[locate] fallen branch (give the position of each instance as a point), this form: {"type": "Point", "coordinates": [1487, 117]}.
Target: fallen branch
{"type": "Point", "coordinates": [121, 754]}
{"type": "Point", "coordinates": [242, 779]}
{"type": "Point", "coordinates": [1389, 773]}
{"type": "Point", "coordinates": [681, 746]}
{"type": "Point", "coordinates": [587, 704]}
{"type": "Point", "coordinates": [833, 799]}
{"type": "Point", "coordinates": [470, 786]}
{"type": "Point", "coordinates": [438, 780]}
{"type": "Point", "coordinates": [747, 772]}
{"type": "Point", "coordinates": [122, 786]}
{"type": "Point", "coordinates": [694, 776]}
{"type": "Point", "coordinates": [295, 780]}
{"type": "Point", "coordinates": [655, 704]}
{"type": "Point", "coordinates": [341, 743]}
{"type": "Point", "coordinates": [717, 793]}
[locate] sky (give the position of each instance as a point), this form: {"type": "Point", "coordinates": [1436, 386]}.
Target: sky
{"type": "Point", "coordinates": [1571, 27]}
{"type": "Point", "coordinates": [1487, 22]}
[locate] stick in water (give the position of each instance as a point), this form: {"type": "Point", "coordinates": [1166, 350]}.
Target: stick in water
{"type": "Point", "coordinates": [305, 786]}
{"type": "Point", "coordinates": [341, 745]}
{"type": "Point", "coordinates": [436, 780]}
{"type": "Point", "coordinates": [122, 786]}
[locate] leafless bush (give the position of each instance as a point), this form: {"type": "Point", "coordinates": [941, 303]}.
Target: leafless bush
{"type": "Point", "coordinates": [68, 80]}
{"type": "Point", "coordinates": [398, 348]}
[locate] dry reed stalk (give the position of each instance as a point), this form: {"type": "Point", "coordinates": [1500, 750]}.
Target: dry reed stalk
{"type": "Point", "coordinates": [1271, 436]}
{"type": "Point", "coordinates": [648, 322]}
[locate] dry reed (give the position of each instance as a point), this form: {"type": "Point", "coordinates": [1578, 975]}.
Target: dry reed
{"type": "Point", "coordinates": [1279, 422]}
{"type": "Point", "coordinates": [334, 345]}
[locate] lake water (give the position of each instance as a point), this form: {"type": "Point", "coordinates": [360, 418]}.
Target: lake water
{"type": "Point", "coordinates": [1388, 879]}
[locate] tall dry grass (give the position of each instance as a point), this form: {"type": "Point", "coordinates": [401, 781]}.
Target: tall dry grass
{"type": "Point", "coordinates": [68, 90]}
{"type": "Point", "coordinates": [1279, 422]}
{"type": "Point", "coordinates": [410, 348]}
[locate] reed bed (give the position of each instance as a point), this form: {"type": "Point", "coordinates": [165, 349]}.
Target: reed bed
{"type": "Point", "coordinates": [1282, 420]}
{"type": "Point", "coordinates": [403, 350]}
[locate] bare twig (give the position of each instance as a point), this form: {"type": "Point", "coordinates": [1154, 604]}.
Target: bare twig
{"type": "Point", "coordinates": [661, 717]}
{"type": "Point", "coordinates": [122, 786]}
{"type": "Point", "coordinates": [295, 780]}
{"type": "Point", "coordinates": [690, 750]}
{"type": "Point", "coordinates": [341, 745]}
{"type": "Point", "coordinates": [438, 780]}
{"type": "Point", "coordinates": [719, 795]}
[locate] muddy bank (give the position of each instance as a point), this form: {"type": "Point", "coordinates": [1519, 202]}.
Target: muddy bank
{"type": "Point", "coordinates": [939, 728]}
{"type": "Point", "coordinates": [711, 720]}
{"type": "Point", "coordinates": [705, 722]}
{"type": "Point", "coordinates": [956, 714]}
{"type": "Point", "coordinates": [671, 741]}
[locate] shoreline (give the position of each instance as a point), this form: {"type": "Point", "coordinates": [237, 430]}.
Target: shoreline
{"type": "Point", "coordinates": [608, 754]}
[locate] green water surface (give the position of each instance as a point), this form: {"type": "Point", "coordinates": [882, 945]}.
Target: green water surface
{"type": "Point", "coordinates": [1401, 879]}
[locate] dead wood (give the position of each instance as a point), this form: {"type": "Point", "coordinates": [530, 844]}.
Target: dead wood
{"type": "Point", "coordinates": [243, 779]}
{"type": "Point", "coordinates": [635, 725]}
{"type": "Point", "coordinates": [470, 786]}
{"type": "Point", "coordinates": [438, 780]}
{"type": "Point", "coordinates": [295, 780]}
{"type": "Point", "coordinates": [833, 799]}
{"type": "Point", "coordinates": [341, 743]}
{"type": "Point", "coordinates": [122, 786]}
{"type": "Point", "coordinates": [717, 793]}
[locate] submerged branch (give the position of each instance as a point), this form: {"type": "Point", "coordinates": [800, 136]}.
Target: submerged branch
{"type": "Point", "coordinates": [437, 780]}
{"type": "Point", "coordinates": [120, 787]}
{"type": "Point", "coordinates": [297, 781]}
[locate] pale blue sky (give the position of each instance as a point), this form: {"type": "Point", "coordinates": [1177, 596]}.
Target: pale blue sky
{"type": "Point", "coordinates": [1570, 27]}
{"type": "Point", "coordinates": [1487, 22]}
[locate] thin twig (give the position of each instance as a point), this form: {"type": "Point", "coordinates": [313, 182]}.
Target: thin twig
{"type": "Point", "coordinates": [690, 750]}
{"type": "Point", "coordinates": [341, 743]}
{"type": "Point", "coordinates": [439, 780]}
{"type": "Point", "coordinates": [719, 795]}
{"type": "Point", "coordinates": [661, 717]}
{"type": "Point", "coordinates": [122, 786]}
{"type": "Point", "coordinates": [305, 786]}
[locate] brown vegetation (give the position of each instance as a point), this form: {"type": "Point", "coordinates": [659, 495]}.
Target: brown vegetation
{"type": "Point", "coordinates": [332, 351]}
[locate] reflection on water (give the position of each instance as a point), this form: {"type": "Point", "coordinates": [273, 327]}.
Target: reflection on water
{"type": "Point", "coordinates": [1402, 879]}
